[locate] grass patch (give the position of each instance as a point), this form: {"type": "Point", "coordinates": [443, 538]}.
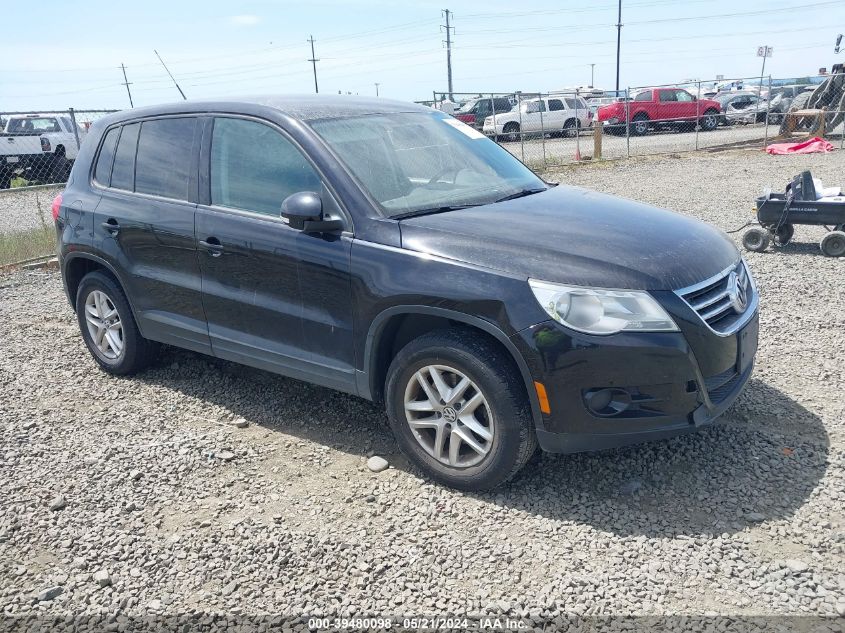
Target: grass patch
{"type": "Point", "coordinates": [15, 247]}
{"type": "Point", "coordinates": [37, 242]}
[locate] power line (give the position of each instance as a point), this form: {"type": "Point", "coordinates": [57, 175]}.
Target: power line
{"type": "Point", "coordinates": [314, 61]}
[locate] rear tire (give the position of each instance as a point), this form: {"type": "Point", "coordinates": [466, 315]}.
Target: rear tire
{"type": "Point", "coordinates": [427, 420]}
{"type": "Point", "coordinates": [833, 244]}
{"type": "Point", "coordinates": [108, 326]}
{"type": "Point", "coordinates": [756, 240]}
{"type": "Point", "coordinates": [570, 128]}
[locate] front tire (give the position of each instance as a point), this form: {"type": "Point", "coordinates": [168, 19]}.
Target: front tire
{"type": "Point", "coordinates": [511, 132]}
{"type": "Point", "coordinates": [458, 409]}
{"type": "Point", "coordinates": [639, 125]}
{"type": "Point", "coordinates": [710, 121]}
{"type": "Point", "coordinates": [109, 328]}
{"type": "Point", "coordinates": [756, 240]}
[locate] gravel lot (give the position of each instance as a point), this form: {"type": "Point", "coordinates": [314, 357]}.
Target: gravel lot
{"type": "Point", "coordinates": [138, 496]}
{"type": "Point", "coordinates": [19, 208]}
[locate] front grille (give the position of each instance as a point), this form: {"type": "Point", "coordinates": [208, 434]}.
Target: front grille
{"type": "Point", "coordinates": [715, 300]}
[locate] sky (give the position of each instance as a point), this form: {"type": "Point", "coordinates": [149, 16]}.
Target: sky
{"type": "Point", "coordinates": [221, 49]}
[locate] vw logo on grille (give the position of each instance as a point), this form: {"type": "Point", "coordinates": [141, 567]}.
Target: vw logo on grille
{"type": "Point", "coordinates": [737, 292]}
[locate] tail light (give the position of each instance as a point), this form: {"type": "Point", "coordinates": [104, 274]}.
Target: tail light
{"type": "Point", "coordinates": [45, 144]}
{"type": "Point", "coordinates": [57, 206]}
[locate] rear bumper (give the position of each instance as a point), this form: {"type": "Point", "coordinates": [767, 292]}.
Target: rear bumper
{"type": "Point", "coordinates": [656, 385]}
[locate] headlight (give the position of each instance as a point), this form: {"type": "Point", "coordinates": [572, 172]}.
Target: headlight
{"type": "Point", "coordinates": [602, 311]}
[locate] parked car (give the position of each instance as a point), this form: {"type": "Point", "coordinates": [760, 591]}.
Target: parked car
{"type": "Point", "coordinates": [390, 251]}
{"type": "Point", "coordinates": [747, 111]}
{"type": "Point", "coordinates": [547, 115]}
{"type": "Point", "coordinates": [474, 112]}
{"type": "Point", "coordinates": [595, 103]}
{"type": "Point", "coordinates": [739, 101]}
{"type": "Point", "coordinates": [39, 146]}
{"type": "Point", "coordinates": [654, 108]}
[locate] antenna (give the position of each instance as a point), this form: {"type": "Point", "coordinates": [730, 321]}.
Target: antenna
{"type": "Point", "coordinates": [171, 76]}
{"type": "Point", "coordinates": [127, 83]}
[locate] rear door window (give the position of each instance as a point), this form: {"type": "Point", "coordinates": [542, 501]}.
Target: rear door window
{"type": "Point", "coordinates": [555, 104]}
{"type": "Point", "coordinates": [102, 172]}
{"type": "Point", "coordinates": [163, 162]}
{"type": "Point", "coordinates": [123, 172]}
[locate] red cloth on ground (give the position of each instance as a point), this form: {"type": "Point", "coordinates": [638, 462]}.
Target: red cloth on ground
{"type": "Point", "coordinates": [810, 146]}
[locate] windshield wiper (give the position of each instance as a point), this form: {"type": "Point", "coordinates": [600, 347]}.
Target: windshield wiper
{"type": "Point", "coordinates": [519, 194]}
{"type": "Point", "coordinates": [432, 211]}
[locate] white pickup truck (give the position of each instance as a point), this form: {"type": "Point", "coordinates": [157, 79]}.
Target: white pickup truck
{"type": "Point", "coordinates": [38, 147]}
{"type": "Point", "coordinates": [553, 115]}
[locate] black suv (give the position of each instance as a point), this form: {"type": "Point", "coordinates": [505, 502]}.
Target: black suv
{"type": "Point", "coordinates": [390, 251]}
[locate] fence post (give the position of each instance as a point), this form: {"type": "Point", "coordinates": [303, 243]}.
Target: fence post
{"type": "Point", "coordinates": [493, 110]}
{"type": "Point", "coordinates": [697, 113]}
{"type": "Point", "coordinates": [75, 127]}
{"type": "Point", "coordinates": [577, 128]}
{"type": "Point", "coordinates": [542, 105]}
{"type": "Point", "coordinates": [597, 138]}
{"type": "Point", "coordinates": [627, 123]}
{"type": "Point", "coordinates": [768, 107]}
{"type": "Point", "coordinates": [521, 139]}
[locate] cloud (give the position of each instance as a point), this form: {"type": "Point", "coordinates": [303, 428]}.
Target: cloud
{"type": "Point", "coordinates": [246, 19]}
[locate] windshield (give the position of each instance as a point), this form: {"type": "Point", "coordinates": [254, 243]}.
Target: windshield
{"type": "Point", "coordinates": [469, 105]}
{"type": "Point", "coordinates": [414, 162]}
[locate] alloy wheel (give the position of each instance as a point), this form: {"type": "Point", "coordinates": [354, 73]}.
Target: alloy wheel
{"type": "Point", "coordinates": [104, 325]}
{"type": "Point", "coordinates": [449, 416]}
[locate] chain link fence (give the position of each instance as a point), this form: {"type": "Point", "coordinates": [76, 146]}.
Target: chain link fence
{"type": "Point", "coordinates": [544, 129]}
{"type": "Point", "coordinates": [38, 148]}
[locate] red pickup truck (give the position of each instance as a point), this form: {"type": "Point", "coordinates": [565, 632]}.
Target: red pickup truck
{"type": "Point", "coordinates": [660, 108]}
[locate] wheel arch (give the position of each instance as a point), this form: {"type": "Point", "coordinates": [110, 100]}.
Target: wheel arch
{"type": "Point", "coordinates": [393, 328]}
{"type": "Point", "coordinates": [77, 265]}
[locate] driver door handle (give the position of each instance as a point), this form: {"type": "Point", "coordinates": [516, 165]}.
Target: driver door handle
{"type": "Point", "coordinates": [213, 246]}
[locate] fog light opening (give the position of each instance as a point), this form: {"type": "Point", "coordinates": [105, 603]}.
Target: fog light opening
{"type": "Point", "coordinates": [607, 402]}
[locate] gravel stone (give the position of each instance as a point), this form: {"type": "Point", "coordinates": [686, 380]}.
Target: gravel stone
{"type": "Point", "coordinates": [377, 464]}
{"type": "Point", "coordinates": [102, 578]}
{"type": "Point", "coordinates": [50, 593]}
{"type": "Point", "coordinates": [58, 503]}
{"type": "Point", "coordinates": [797, 566]}
{"type": "Point", "coordinates": [295, 522]}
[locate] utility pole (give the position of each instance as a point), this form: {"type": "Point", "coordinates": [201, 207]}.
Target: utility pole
{"type": "Point", "coordinates": [449, 30]}
{"type": "Point", "coordinates": [377, 84]}
{"type": "Point", "coordinates": [618, 44]}
{"type": "Point", "coordinates": [592, 75]}
{"type": "Point", "coordinates": [127, 84]}
{"type": "Point", "coordinates": [171, 76]}
{"type": "Point", "coordinates": [314, 61]}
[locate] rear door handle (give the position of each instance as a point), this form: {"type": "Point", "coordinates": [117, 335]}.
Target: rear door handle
{"type": "Point", "coordinates": [213, 246]}
{"type": "Point", "coordinates": [111, 226]}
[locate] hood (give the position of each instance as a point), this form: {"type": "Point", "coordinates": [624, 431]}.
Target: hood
{"type": "Point", "coordinates": [576, 236]}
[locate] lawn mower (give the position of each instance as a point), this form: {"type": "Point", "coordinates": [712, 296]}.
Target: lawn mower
{"type": "Point", "coordinates": [805, 201]}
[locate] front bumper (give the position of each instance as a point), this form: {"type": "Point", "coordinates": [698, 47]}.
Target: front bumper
{"type": "Point", "coordinates": [660, 384]}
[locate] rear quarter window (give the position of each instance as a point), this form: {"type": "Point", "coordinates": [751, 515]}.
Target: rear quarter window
{"type": "Point", "coordinates": [102, 171]}
{"type": "Point", "coordinates": [123, 172]}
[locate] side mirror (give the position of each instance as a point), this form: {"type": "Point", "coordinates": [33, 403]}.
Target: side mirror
{"type": "Point", "coordinates": [304, 212]}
